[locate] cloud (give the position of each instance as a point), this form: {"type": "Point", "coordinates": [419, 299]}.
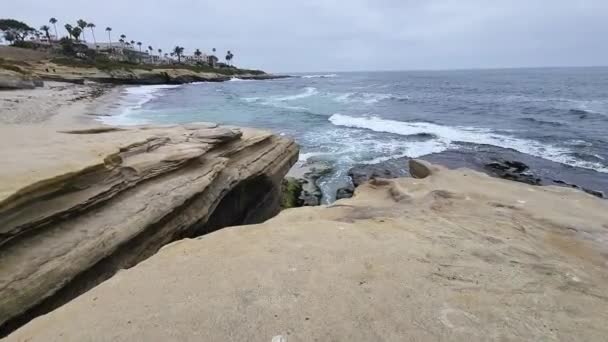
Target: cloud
{"type": "Point", "coordinates": [337, 35]}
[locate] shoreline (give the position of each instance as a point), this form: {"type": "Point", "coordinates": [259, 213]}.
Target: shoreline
{"type": "Point", "coordinates": [55, 105]}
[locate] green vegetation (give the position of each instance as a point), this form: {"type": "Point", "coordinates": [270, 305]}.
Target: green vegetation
{"type": "Point", "coordinates": [107, 64]}
{"type": "Point", "coordinates": [14, 30]}
{"type": "Point", "coordinates": [291, 189]}
{"type": "Point", "coordinates": [72, 50]}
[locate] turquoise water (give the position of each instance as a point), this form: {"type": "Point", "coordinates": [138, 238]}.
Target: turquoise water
{"type": "Point", "coordinates": [559, 115]}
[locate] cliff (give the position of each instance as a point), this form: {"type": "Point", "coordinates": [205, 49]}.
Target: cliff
{"type": "Point", "coordinates": [19, 68]}
{"type": "Point", "coordinates": [449, 255]}
{"type": "Point", "coordinates": [78, 205]}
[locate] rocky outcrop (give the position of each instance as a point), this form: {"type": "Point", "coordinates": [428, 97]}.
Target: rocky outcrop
{"type": "Point", "coordinates": [496, 162]}
{"type": "Point", "coordinates": [54, 72]}
{"type": "Point", "coordinates": [456, 255]}
{"type": "Point", "coordinates": [83, 204]}
{"type": "Point", "coordinates": [311, 194]}
{"type": "Point", "coordinates": [10, 80]}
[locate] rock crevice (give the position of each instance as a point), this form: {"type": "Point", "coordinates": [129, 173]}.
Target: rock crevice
{"type": "Point", "coordinates": [68, 231]}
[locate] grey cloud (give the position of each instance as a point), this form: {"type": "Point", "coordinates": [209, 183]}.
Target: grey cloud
{"type": "Point", "coordinates": [325, 35]}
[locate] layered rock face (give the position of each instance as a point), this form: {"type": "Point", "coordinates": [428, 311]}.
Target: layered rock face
{"type": "Point", "coordinates": [450, 255]}
{"type": "Point", "coordinates": [53, 72]}
{"type": "Point", "coordinates": [10, 80]}
{"type": "Point", "coordinates": [80, 205]}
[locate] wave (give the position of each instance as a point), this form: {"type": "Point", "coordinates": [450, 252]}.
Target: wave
{"type": "Point", "coordinates": [583, 113]}
{"type": "Point", "coordinates": [308, 92]}
{"type": "Point", "coordinates": [236, 79]}
{"type": "Point", "coordinates": [136, 97]}
{"type": "Point", "coordinates": [282, 101]}
{"type": "Point", "coordinates": [320, 76]}
{"type": "Point", "coordinates": [367, 98]}
{"type": "Point", "coordinates": [542, 122]}
{"type": "Point", "coordinates": [447, 135]}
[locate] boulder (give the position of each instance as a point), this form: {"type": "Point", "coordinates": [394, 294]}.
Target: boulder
{"type": "Point", "coordinates": [454, 256]}
{"type": "Point", "coordinates": [79, 205]}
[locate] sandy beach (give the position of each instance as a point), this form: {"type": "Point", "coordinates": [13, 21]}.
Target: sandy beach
{"type": "Point", "coordinates": [56, 104]}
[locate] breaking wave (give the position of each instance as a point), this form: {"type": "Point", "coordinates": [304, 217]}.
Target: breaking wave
{"type": "Point", "coordinates": [320, 76]}
{"type": "Point", "coordinates": [367, 98]}
{"type": "Point", "coordinates": [447, 135]}
{"type": "Point", "coordinates": [283, 101]}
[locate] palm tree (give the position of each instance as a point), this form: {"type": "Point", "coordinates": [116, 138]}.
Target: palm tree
{"type": "Point", "coordinates": [213, 50]}
{"type": "Point", "coordinates": [132, 42]}
{"type": "Point", "coordinates": [82, 24]}
{"type": "Point", "coordinates": [178, 51]}
{"type": "Point", "coordinates": [139, 44]}
{"type": "Point", "coordinates": [76, 31]}
{"type": "Point", "coordinates": [109, 30]}
{"type": "Point", "coordinates": [160, 51]}
{"type": "Point", "coordinates": [69, 28]}
{"type": "Point", "coordinates": [150, 48]}
{"type": "Point", "coordinates": [123, 39]}
{"type": "Point", "coordinates": [229, 56]}
{"type": "Point", "coordinates": [198, 54]}
{"type": "Point", "coordinates": [46, 29]}
{"type": "Point", "coordinates": [92, 27]}
{"type": "Point", "coordinates": [53, 21]}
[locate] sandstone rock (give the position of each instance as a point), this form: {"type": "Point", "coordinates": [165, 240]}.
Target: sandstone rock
{"type": "Point", "coordinates": [85, 203]}
{"type": "Point", "coordinates": [540, 171]}
{"type": "Point", "coordinates": [454, 256]}
{"type": "Point", "coordinates": [13, 80]}
{"type": "Point", "coordinates": [420, 168]}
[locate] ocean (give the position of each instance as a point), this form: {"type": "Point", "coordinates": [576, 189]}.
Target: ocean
{"type": "Point", "coordinates": [557, 118]}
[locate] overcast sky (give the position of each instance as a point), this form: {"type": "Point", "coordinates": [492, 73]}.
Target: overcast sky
{"type": "Point", "coordinates": [350, 35]}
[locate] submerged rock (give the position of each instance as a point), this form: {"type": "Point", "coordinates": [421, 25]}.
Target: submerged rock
{"type": "Point", "coordinates": [454, 256]}
{"type": "Point", "coordinates": [311, 192]}
{"type": "Point", "coordinates": [389, 169]}
{"type": "Point", "coordinates": [78, 206]}
{"type": "Point", "coordinates": [496, 162]}
{"type": "Point", "coordinates": [345, 192]}
{"type": "Point", "coordinates": [512, 170]}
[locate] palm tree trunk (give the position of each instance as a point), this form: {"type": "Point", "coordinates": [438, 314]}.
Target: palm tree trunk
{"type": "Point", "coordinates": [94, 40]}
{"type": "Point", "coordinates": [56, 35]}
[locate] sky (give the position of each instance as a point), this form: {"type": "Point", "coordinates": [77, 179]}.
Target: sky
{"type": "Point", "coordinates": [350, 35]}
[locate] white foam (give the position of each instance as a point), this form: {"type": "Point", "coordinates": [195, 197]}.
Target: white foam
{"type": "Point", "coordinates": [236, 79]}
{"type": "Point", "coordinates": [141, 95]}
{"type": "Point", "coordinates": [367, 98]}
{"type": "Point", "coordinates": [308, 92]}
{"type": "Point", "coordinates": [282, 101]}
{"type": "Point", "coordinates": [447, 135]}
{"type": "Point", "coordinates": [320, 76]}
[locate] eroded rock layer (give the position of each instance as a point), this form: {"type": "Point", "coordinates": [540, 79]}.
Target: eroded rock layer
{"type": "Point", "coordinates": [103, 199]}
{"type": "Point", "coordinates": [448, 255]}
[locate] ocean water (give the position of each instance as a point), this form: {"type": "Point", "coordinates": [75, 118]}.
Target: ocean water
{"type": "Point", "coordinates": [559, 115]}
